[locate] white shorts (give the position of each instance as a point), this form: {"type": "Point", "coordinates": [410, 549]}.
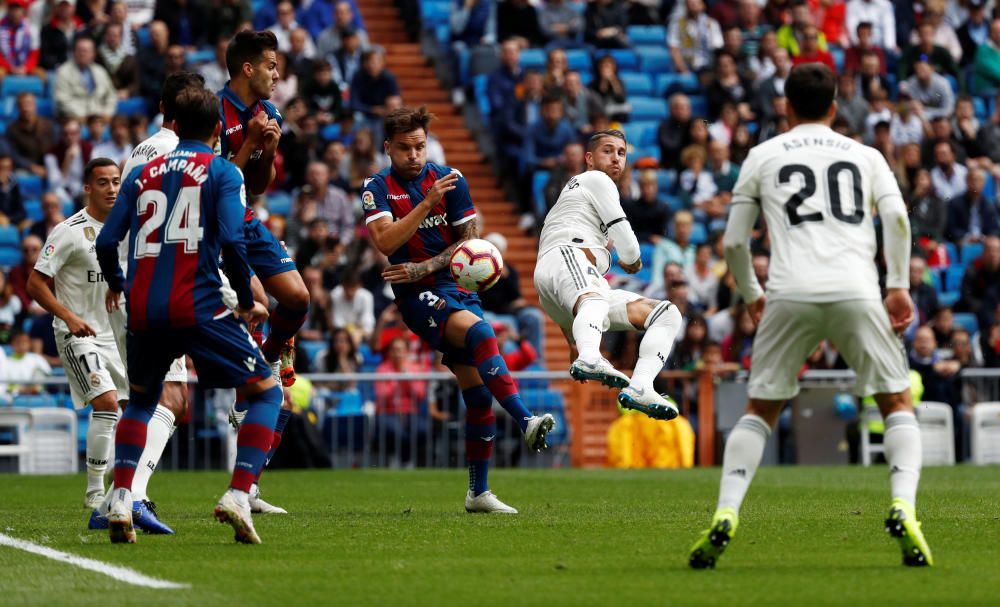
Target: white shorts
{"type": "Point", "coordinates": [790, 331]}
{"type": "Point", "coordinates": [178, 371]}
{"type": "Point", "coordinates": [563, 274]}
{"type": "Point", "coordinates": [92, 368]}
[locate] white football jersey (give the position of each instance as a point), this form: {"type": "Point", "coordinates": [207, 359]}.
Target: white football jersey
{"type": "Point", "coordinates": [160, 143]}
{"type": "Point", "coordinates": [580, 218]}
{"type": "Point", "coordinates": [69, 257]}
{"type": "Point", "coordinates": [818, 190]}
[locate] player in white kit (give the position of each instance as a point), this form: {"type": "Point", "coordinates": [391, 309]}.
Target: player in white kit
{"type": "Point", "coordinates": [91, 342]}
{"type": "Point", "coordinates": [818, 192]}
{"type": "Point", "coordinates": [573, 257]}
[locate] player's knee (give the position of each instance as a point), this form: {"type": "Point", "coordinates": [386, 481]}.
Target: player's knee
{"type": "Point", "coordinates": [586, 298]}
{"type": "Point", "coordinates": [174, 398]}
{"type": "Point", "coordinates": [106, 402]}
{"type": "Point", "coordinates": [298, 297]}
{"type": "Point", "coordinates": [663, 314]}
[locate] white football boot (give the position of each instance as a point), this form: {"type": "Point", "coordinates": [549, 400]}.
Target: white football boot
{"type": "Point", "coordinates": [120, 518]}
{"type": "Point", "coordinates": [230, 510]}
{"type": "Point", "coordinates": [646, 400]}
{"type": "Point", "coordinates": [600, 370]}
{"type": "Point", "coordinates": [259, 506]}
{"type": "Point", "coordinates": [236, 417]}
{"type": "Point", "coordinates": [538, 428]}
{"type": "Point", "coordinates": [486, 502]}
{"type": "Point", "coordinates": [93, 500]}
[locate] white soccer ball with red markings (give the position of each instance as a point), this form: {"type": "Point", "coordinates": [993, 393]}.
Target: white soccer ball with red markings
{"type": "Point", "coordinates": [476, 265]}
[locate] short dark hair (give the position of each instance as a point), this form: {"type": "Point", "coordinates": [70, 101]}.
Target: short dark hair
{"type": "Point", "coordinates": [248, 47]}
{"type": "Point", "coordinates": [405, 119]}
{"type": "Point", "coordinates": [810, 89]}
{"type": "Point", "coordinates": [197, 114]}
{"type": "Point", "coordinates": [94, 164]}
{"type": "Point", "coordinates": [595, 139]}
{"type": "Point", "coordinates": [172, 87]}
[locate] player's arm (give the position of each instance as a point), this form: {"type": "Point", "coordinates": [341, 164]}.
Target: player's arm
{"type": "Point", "coordinates": [896, 244]}
{"type": "Point", "coordinates": [743, 213]}
{"type": "Point", "coordinates": [256, 181]}
{"type": "Point", "coordinates": [111, 235]}
{"type": "Point", "coordinates": [607, 201]}
{"type": "Point", "coordinates": [412, 272]}
{"type": "Point", "coordinates": [39, 290]}
{"type": "Point", "coordinates": [388, 235]}
{"type": "Point", "coordinates": [232, 241]}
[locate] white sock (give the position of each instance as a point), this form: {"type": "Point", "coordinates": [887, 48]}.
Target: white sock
{"type": "Point", "coordinates": [158, 432]}
{"type": "Point", "coordinates": [588, 328]}
{"type": "Point", "coordinates": [904, 452]}
{"type": "Point", "coordinates": [661, 326]}
{"type": "Point", "coordinates": [744, 448]}
{"type": "Point", "coordinates": [100, 442]}
{"type": "Point", "coordinates": [242, 497]}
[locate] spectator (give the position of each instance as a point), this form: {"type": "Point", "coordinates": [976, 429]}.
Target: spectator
{"type": "Point", "coordinates": [505, 299]}
{"type": "Point", "coordinates": [65, 161]}
{"type": "Point", "coordinates": [518, 353]}
{"type": "Point", "coordinates": [989, 340]}
{"type": "Point", "coordinates": [374, 89]}
{"type": "Point", "coordinates": [974, 32]}
{"type": "Point", "coordinates": [693, 37]}
{"type": "Point", "coordinates": [317, 325]}
{"type": "Point", "coordinates": [323, 94]}
{"type": "Point", "coordinates": [119, 147]}
{"type": "Point", "coordinates": [695, 183]}
{"type": "Point", "coordinates": [774, 86]}
{"type": "Point", "coordinates": [347, 60]}
{"type": "Point", "coordinates": [287, 87]}
{"type": "Point", "coordinates": [732, 43]}
{"type": "Point", "coordinates": [752, 29]}
{"type": "Point", "coordinates": [907, 167]}
{"type": "Point", "coordinates": [703, 282]}
{"type": "Point", "coordinates": [728, 87]}
{"type": "Point", "coordinates": [928, 212]}
{"type": "Point", "coordinates": [852, 57]}
{"type": "Point", "coordinates": [561, 23]}
{"type": "Point", "coordinates": [609, 88]}
{"type": "Point", "coordinates": [571, 163]}
{"type": "Point", "coordinates": [556, 68]}
{"type": "Point", "coordinates": [871, 83]}
{"type": "Point", "coordinates": [689, 351]}
{"type": "Point", "coordinates": [22, 366]}
{"type": "Point", "coordinates": [352, 308]}
{"type": "Point", "coordinates": [30, 135]}
{"type": "Point", "coordinates": [300, 60]}
{"type": "Point", "coordinates": [286, 25]}
{"type": "Point", "coordinates": [331, 38]}
{"type": "Point", "coordinates": [924, 296]}
{"type": "Point", "coordinates": [981, 283]}
{"type": "Point", "coordinates": [226, 17]}
{"type": "Point", "coordinates": [43, 339]}
{"type": "Point", "coordinates": [500, 87]}
{"type": "Point", "coordinates": [948, 176]}
{"type": "Point", "coordinates": [941, 131]}
{"type": "Point", "coordinates": [726, 124]}
{"type": "Point", "coordinates": [580, 102]}
{"type": "Point", "coordinates": [548, 136]}
{"type": "Point", "coordinates": [944, 34]}
{"type": "Point", "coordinates": [118, 61]}
{"type": "Point", "coordinates": [186, 20]}
{"type": "Point", "coordinates": [11, 203]}
{"type": "Point", "coordinates": [971, 217]}
{"type": "Point", "coordinates": [672, 133]}
{"type": "Point", "coordinates": [648, 214]}
{"type": "Point", "coordinates": [930, 89]}
{"type": "Point", "coordinates": [519, 19]}
{"type": "Point", "coordinates": [153, 60]}
{"type": "Point", "coordinates": [987, 64]}
{"type": "Point", "coordinates": [809, 51]}
{"type": "Point", "coordinates": [319, 199]}
{"type": "Point", "coordinates": [52, 215]}
{"type": "Point", "coordinates": [81, 87]}
{"type": "Point", "coordinates": [215, 73]}
{"type": "Point", "coordinates": [909, 122]}
{"type": "Point", "coordinates": [926, 50]}
{"type": "Point", "coordinates": [117, 14]}
{"type": "Point", "coordinates": [943, 325]}
{"type": "Point", "coordinates": [724, 172]}
{"type": "Point", "coordinates": [310, 248]}
{"type": "Point", "coordinates": [935, 371]}
{"type": "Point", "coordinates": [605, 23]}
{"type": "Point", "coordinates": [341, 356]}
{"type": "Point", "coordinates": [364, 160]}
{"type": "Point", "coordinates": [57, 35]}
{"type": "Point", "coordinates": [19, 43]}
{"type": "Point", "coordinates": [738, 345]}
{"type": "Point", "coordinates": [398, 404]}
{"type": "Point", "coordinates": [762, 63]}
{"type": "Point", "coordinates": [679, 250]}
{"type": "Point", "coordinates": [698, 135]}
{"type": "Point", "coordinates": [791, 36]}
{"type": "Point", "coordinates": [850, 106]}
{"type": "Point", "coordinates": [880, 14]}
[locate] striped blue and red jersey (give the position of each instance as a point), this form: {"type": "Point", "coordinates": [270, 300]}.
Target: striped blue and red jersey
{"type": "Point", "coordinates": [234, 116]}
{"type": "Point", "coordinates": [387, 194]}
{"type": "Point", "coordinates": [179, 211]}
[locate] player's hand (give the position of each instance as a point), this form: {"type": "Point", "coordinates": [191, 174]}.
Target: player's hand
{"type": "Point", "coordinates": [255, 315]}
{"type": "Point", "coordinates": [440, 188]}
{"type": "Point", "coordinates": [756, 309]}
{"type": "Point", "coordinates": [256, 127]}
{"type": "Point", "coordinates": [78, 327]}
{"type": "Point", "coordinates": [631, 268]}
{"type": "Point", "coordinates": [900, 308]}
{"type": "Point", "coordinates": [271, 135]}
{"type": "Point", "coordinates": [111, 301]}
{"type": "Point", "coordinates": [404, 273]}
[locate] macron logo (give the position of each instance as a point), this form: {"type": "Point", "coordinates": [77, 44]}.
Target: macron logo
{"type": "Point", "coordinates": [234, 129]}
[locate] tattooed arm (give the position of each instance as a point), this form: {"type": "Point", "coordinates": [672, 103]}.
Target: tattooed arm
{"type": "Point", "coordinates": [412, 272]}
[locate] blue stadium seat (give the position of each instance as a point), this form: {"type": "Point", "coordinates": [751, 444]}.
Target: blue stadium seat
{"type": "Point", "coordinates": [330, 132]}
{"type": "Point", "coordinates": [646, 250]}
{"type": "Point", "coordinates": [34, 400]}
{"type": "Point", "coordinates": [200, 56]}
{"type": "Point", "coordinates": [953, 82]}
{"type": "Point", "coordinates": [971, 251]}
{"type": "Point", "coordinates": [982, 111]}
{"type": "Point", "coordinates": [69, 207]}
{"type": "Point", "coordinates": [46, 107]}
{"type": "Point", "coordinates": [648, 151]}
{"type": "Point", "coordinates": [279, 203]}
{"type": "Point", "coordinates": [637, 83]}
{"type": "Point", "coordinates": [33, 209]}
{"type": "Point", "coordinates": [949, 298]}
{"type": "Point", "coordinates": [699, 106]}
{"type": "Point", "coordinates": [953, 278]}
{"type": "Point", "coordinates": [533, 58]}
{"type": "Point", "coordinates": [936, 281]}
{"type": "Point", "coordinates": [952, 253]}
{"type": "Point", "coordinates": [479, 83]}
{"type": "Point", "coordinates": [647, 35]}
{"type": "Point", "coordinates": [838, 57]}
{"type": "Point", "coordinates": [626, 58]}
{"type": "Point", "coordinates": [14, 85]}
{"type": "Point", "coordinates": [667, 180]}
{"type": "Point", "coordinates": [578, 59]}
{"type": "Point", "coordinates": [30, 184]}
{"type": "Point", "coordinates": [641, 133]}
{"type": "Point", "coordinates": [435, 12]}
{"type": "Point", "coordinates": [133, 106]}
{"type": "Point", "coordinates": [668, 84]}
{"type": "Point", "coordinates": [698, 233]}
{"type": "Point", "coordinates": [312, 349]}
{"type": "Point", "coordinates": [10, 256]}
{"type": "Point", "coordinates": [648, 108]}
{"type": "Point", "coordinates": [655, 59]}
{"type": "Point", "coordinates": [9, 236]}
{"type": "Point", "coordinates": [967, 321]}
{"type": "Point", "coordinates": [539, 180]}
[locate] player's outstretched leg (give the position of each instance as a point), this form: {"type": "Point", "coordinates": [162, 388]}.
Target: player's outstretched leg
{"type": "Point", "coordinates": [662, 322]}
{"type": "Point", "coordinates": [744, 449]}
{"type": "Point", "coordinates": [257, 504]}
{"type": "Point", "coordinates": [130, 441]}
{"type": "Point", "coordinates": [588, 327]}
{"type": "Point", "coordinates": [285, 321]}
{"type": "Point", "coordinates": [252, 444]}
{"type": "Point", "coordinates": [903, 452]}
{"type": "Point", "coordinates": [480, 434]}
{"type": "Point", "coordinates": [100, 438]}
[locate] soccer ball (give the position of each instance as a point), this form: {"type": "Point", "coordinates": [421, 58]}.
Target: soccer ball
{"type": "Point", "coordinates": [476, 265]}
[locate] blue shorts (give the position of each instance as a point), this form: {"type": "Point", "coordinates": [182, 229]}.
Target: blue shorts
{"type": "Point", "coordinates": [426, 311]}
{"type": "Point", "coordinates": [266, 255]}
{"type": "Point", "coordinates": [223, 352]}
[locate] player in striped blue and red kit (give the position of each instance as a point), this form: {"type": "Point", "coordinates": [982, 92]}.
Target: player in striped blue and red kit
{"type": "Point", "coordinates": [417, 213]}
{"type": "Point", "coordinates": [180, 211]}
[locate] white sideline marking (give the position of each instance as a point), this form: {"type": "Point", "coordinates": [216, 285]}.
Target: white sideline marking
{"type": "Point", "coordinates": [122, 574]}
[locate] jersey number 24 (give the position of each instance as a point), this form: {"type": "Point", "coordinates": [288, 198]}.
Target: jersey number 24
{"type": "Point", "coordinates": [183, 226]}
{"type": "Point", "coordinates": [833, 187]}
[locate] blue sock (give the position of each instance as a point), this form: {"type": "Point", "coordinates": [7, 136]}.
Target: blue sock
{"type": "Point", "coordinates": [255, 437]}
{"type": "Point", "coordinates": [279, 428]}
{"type": "Point", "coordinates": [481, 343]}
{"type": "Point", "coordinates": [480, 434]}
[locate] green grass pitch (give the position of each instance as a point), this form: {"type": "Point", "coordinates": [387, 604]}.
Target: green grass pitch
{"type": "Point", "coordinates": [808, 536]}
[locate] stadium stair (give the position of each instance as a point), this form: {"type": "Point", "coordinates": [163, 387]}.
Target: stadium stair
{"type": "Point", "coordinates": [419, 86]}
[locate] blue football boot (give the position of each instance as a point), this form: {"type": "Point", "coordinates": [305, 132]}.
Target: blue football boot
{"type": "Point", "coordinates": [144, 517]}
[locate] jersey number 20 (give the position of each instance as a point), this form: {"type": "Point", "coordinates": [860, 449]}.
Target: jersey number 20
{"type": "Point", "coordinates": [833, 187]}
{"type": "Point", "coordinates": [183, 226]}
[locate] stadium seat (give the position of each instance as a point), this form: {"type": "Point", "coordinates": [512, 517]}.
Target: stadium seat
{"type": "Point", "coordinates": [982, 111]}
{"type": "Point", "coordinates": [647, 35]}
{"type": "Point", "coordinates": [985, 433]}
{"type": "Point", "coordinates": [948, 298]}
{"type": "Point", "coordinates": [654, 60]}
{"type": "Point", "coordinates": [699, 106]}
{"type": "Point", "coordinates": [953, 82]}
{"type": "Point", "coordinates": [647, 151]}
{"type": "Point", "coordinates": [330, 132]}
{"type": "Point", "coordinates": [626, 59]}
{"type": "Point", "coordinates": [9, 236]}
{"type": "Point", "coordinates": [9, 256]}
{"type": "Point", "coordinates": [279, 203]}
{"type": "Point", "coordinates": [34, 400]}
{"type": "Point", "coordinates": [579, 60]}
{"type": "Point", "coordinates": [838, 58]}
{"type": "Point", "coordinates": [549, 401]}
{"type": "Point", "coordinates": [667, 180]}
{"type": "Point", "coordinates": [15, 85]}
{"type": "Point", "coordinates": [30, 184]}
{"type": "Point", "coordinates": [33, 209]}
{"type": "Point", "coordinates": [648, 108]}
{"type": "Point", "coordinates": [200, 56]}
{"type": "Point", "coordinates": [646, 250]}
{"type": "Point", "coordinates": [133, 106]}
{"type": "Point", "coordinates": [539, 180]}
{"type": "Point", "coordinates": [637, 83]}
{"type": "Point", "coordinates": [937, 434]}
{"type": "Point", "coordinates": [640, 133]}
{"type": "Point", "coordinates": [533, 59]}
{"type": "Point", "coordinates": [668, 84]}
{"type": "Point", "coordinates": [312, 349]}
{"type": "Point", "coordinates": [952, 253]}
{"type": "Point", "coordinates": [16, 432]}
{"type": "Point", "coordinates": [435, 12]}
{"type": "Point", "coordinates": [971, 251]}
{"type": "Point", "coordinates": [953, 278]}
{"type": "Point", "coordinates": [479, 83]}
{"type": "Point", "coordinates": [698, 233]}
{"type": "Point", "coordinates": [46, 107]}
{"type": "Point", "coordinates": [967, 321]}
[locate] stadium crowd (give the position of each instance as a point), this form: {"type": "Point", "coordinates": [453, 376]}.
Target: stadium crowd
{"type": "Point", "coordinates": [693, 84]}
